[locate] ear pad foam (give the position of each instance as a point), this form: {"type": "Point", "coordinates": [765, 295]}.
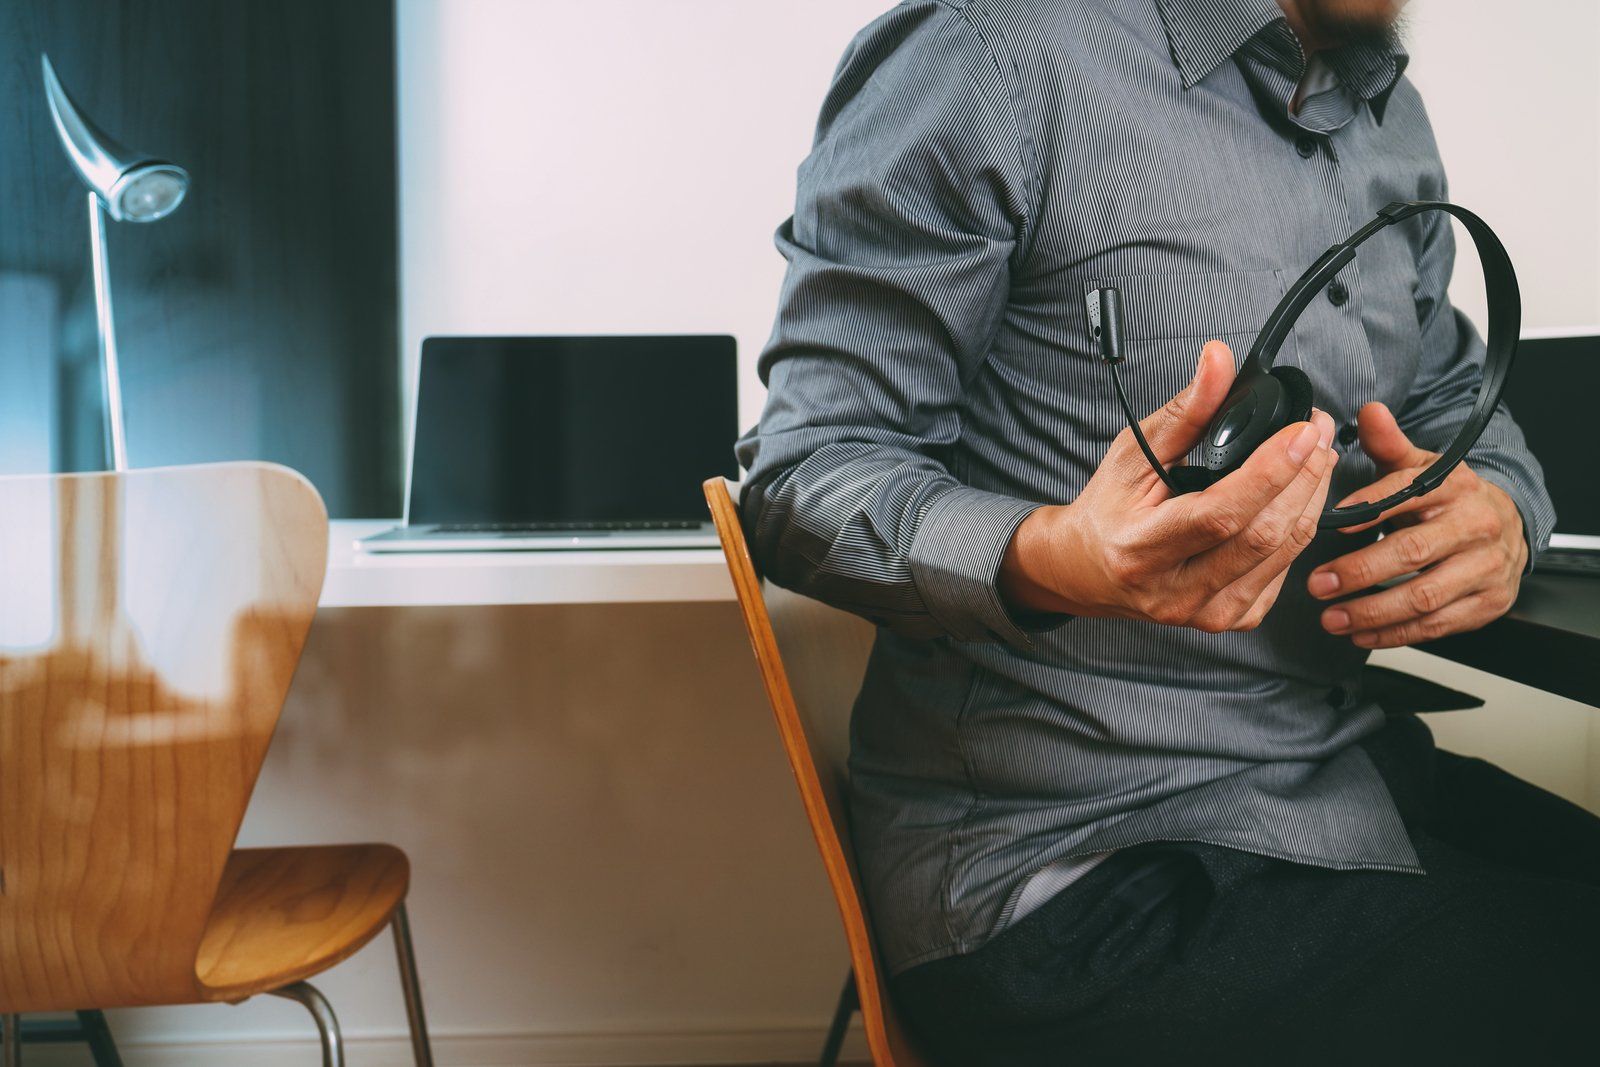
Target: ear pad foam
{"type": "Point", "coordinates": [1296, 393]}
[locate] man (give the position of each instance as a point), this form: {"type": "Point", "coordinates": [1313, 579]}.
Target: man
{"type": "Point", "coordinates": [1117, 794]}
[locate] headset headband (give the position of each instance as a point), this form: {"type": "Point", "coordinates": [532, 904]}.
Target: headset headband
{"type": "Point", "coordinates": [1505, 324]}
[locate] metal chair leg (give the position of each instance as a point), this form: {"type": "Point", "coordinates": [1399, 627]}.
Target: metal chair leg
{"type": "Point", "coordinates": [421, 1051]}
{"type": "Point", "coordinates": [307, 995]}
{"type": "Point", "coordinates": [98, 1036]}
{"type": "Point", "coordinates": [13, 1040]}
{"type": "Point", "coordinates": [848, 1003]}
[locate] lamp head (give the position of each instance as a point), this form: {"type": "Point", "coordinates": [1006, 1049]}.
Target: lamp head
{"type": "Point", "coordinates": [133, 187]}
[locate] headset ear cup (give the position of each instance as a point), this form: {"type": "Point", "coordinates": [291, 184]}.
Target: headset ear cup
{"type": "Point", "coordinates": [1296, 392]}
{"type": "Point", "coordinates": [1193, 479]}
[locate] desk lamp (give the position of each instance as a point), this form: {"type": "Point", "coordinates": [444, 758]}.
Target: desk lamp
{"type": "Point", "coordinates": [129, 187]}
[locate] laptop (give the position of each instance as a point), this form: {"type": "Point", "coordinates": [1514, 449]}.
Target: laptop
{"type": "Point", "coordinates": [1550, 392]}
{"type": "Point", "coordinates": [548, 443]}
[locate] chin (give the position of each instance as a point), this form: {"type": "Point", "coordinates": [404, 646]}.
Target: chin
{"type": "Point", "coordinates": [1337, 19]}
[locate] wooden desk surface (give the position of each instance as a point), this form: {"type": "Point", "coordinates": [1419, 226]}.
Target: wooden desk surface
{"type": "Point", "coordinates": [1550, 639]}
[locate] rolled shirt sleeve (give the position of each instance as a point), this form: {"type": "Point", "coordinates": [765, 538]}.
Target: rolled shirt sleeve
{"type": "Point", "coordinates": [1448, 378]}
{"type": "Point", "coordinates": [910, 213]}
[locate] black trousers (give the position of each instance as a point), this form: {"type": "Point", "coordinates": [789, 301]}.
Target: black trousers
{"type": "Point", "coordinates": [1183, 953]}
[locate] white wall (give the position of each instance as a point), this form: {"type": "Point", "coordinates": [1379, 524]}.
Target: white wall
{"type": "Point", "coordinates": [608, 165]}
{"type": "Point", "coordinates": [611, 865]}
{"type": "Point", "coordinates": [1512, 89]}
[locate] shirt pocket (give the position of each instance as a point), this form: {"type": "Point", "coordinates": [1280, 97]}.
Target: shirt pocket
{"type": "Point", "coordinates": [1168, 318]}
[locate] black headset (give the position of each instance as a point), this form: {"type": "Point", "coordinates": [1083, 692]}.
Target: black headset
{"type": "Point", "coordinates": [1265, 398]}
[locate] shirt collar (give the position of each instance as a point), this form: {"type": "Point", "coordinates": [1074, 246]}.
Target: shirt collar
{"type": "Point", "coordinates": [1371, 72]}
{"type": "Point", "coordinates": [1204, 34]}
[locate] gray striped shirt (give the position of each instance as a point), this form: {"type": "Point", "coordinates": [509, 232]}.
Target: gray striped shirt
{"type": "Point", "coordinates": [978, 167]}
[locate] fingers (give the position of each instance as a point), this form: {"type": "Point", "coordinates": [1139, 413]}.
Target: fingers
{"type": "Point", "coordinates": [1398, 480]}
{"type": "Point", "coordinates": [1401, 552]}
{"type": "Point", "coordinates": [1176, 426]}
{"type": "Point", "coordinates": [1278, 532]}
{"type": "Point", "coordinates": [1243, 604]}
{"type": "Point", "coordinates": [1189, 525]}
{"type": "Point", "coordinates": [1385, 486]}
{"type": "Point", "coordinates": [1385, 442]}
{"type": "Point", "coordinates": [1469, 613]}
{"type": "Point", "coordinates": [1430, 592]}
{"type": "Point", "coordinates": [1263, 603]}
{"type": "Point", "coordinates": [1398, 459]}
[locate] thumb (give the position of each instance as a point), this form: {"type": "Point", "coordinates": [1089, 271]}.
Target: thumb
{"type": "Point", "coordinates": [1384, 440]}
{"type": "Point", "coordinates": [1174, 428]}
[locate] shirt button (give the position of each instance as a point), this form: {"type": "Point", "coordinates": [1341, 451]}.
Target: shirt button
{"type": "Point", "coordinates": [1347, 434]}
{"type": "Point", "coordinates": [1338, 295]}
{"type": "Point", "coordinates": [1306, 145]}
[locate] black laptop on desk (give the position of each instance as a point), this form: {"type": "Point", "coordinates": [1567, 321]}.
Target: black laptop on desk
{"type": "Point", "coordinates": [1551, 394]}
{"type": "Point", "coordinates": [541, 443]}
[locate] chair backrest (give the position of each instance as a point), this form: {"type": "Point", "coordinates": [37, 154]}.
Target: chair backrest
{"type": "Point", "coordinates": [812, 658]}
{"type": "Point", "coordinates": [150, 623]}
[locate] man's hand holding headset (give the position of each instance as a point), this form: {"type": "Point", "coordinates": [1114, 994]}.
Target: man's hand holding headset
{"type": "Point", "coordinates": [1215, 560]}
{"type": "Point", "coordinates": [1465, 538]}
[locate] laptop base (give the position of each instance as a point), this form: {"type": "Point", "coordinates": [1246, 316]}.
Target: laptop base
{"type": "Point", "coordinates": [430, 538]}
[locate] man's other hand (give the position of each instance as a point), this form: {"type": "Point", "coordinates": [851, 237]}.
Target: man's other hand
{"type": "Point", "coordinates": [1215, 560]}
{"type": "Point", "coordinates": [1465, 539]}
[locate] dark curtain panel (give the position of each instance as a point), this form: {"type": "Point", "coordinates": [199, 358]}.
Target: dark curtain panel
{"type": "Point", "coordinates": [260, 321]}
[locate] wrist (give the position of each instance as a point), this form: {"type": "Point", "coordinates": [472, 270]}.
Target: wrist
{"type": "Point", "coordinates": [1513, 525]}
{"type": "Point", "coordinates": [1031, 569]}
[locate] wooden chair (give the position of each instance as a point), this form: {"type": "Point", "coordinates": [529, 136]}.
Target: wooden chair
{"type": "Point", "coordinates": [811, 658]}
{"type": "Point", "coordinates": [151, 624]}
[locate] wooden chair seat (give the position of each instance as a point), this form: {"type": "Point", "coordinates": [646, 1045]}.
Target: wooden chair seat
{"type": "Point", "coordinates": [283, 915]}
{"type": "Point", "coordinates": [150, 625]}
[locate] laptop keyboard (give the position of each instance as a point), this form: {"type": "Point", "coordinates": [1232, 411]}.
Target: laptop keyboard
{"type": "Point", "coordinates": [560, 527]}
{"type": "Point", "coordinates": [1581, 561]}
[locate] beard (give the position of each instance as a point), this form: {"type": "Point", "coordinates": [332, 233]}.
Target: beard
{"type": "Point", "coordinates": [1344, 22]}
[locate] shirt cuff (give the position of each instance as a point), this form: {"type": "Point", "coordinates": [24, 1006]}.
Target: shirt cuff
{"type": "Point", "coordinates": [955, 564]}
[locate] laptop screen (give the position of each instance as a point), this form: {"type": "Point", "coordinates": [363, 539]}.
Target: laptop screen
{"type": "Point", "coordinates": [571, 429]}
{"type": "Point", "coordinates": [1551, 394]}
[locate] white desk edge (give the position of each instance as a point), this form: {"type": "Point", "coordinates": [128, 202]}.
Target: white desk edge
{"type": "Point", "coordinates": [358, 579]}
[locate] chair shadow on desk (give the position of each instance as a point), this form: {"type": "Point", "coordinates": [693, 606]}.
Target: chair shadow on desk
{"type": "Point", "coordinates": [154, 622]}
